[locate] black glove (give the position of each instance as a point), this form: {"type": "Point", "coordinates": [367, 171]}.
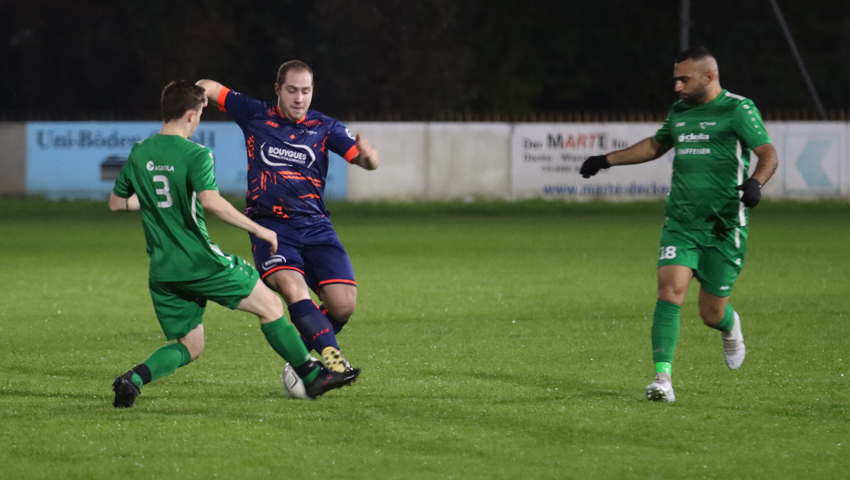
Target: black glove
{"type": "Point", "coordinates": [752, 192]}
{"type": "Point", "coordinates": [593, 164]}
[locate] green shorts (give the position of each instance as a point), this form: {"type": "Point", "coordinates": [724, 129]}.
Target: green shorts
{"type": "Point", "coordinates": [716, 257]}
{"type": "Point", "coordinates": [180, 306]}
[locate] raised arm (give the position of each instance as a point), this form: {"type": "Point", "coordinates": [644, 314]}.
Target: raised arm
{"type": "Point", "coordinates": [368, 156]}
{"type": "Point", "coordinates": [212, 89]}
{"type": "Point", "coordinates": [213, 202]}
{"type": "Point", "coordinates": [645, 150]}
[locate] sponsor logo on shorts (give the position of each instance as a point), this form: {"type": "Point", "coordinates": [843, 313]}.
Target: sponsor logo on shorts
{"type": "Point", "coordinates": [274, 260]}
{"type": "Point", "coordinates": [159, 168]}
{"type": "Point", "coordinates": [724, 287]}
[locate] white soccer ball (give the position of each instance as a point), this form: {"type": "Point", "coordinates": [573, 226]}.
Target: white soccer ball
{"type": "Point", "coordinates": [293, 386]}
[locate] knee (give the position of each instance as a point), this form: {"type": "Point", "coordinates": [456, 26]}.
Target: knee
{"type": "Point", "coordinates": [342, 312]}
{"type": "Point", "coordinates": [711, 315]}
{"type": "Point", "coordinates": [272, 307]}
{"type": "Point", "coordinates": [194, 343]}
{"type": "Point", "coordinates": [291, 291]}
{"type": "Point", "coordinates": [196, 352]}
{"type": "Point", "coordinates": [671, 294]}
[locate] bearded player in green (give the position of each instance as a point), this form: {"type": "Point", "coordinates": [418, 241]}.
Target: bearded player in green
{"type": "Point", "coordinates": [171, 180]}
{"type": "Point", "coordinates": [713, 132]}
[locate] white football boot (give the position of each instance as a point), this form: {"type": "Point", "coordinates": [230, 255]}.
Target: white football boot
{"type": "Point", "coordinates": [661, 390]}
{"type": "Point", "coordinates": [733, 345]}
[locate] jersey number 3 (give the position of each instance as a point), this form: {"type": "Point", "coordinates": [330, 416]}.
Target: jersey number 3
{"type": "Point", "coordinates": [163, 191]}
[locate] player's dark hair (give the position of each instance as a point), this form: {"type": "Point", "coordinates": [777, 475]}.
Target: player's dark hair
{"type": "Point", "coordinates": [292, 66]}
{"type": "Point", "coordinates": [694, 53]}
{"type": "Point", "coordinates": [178, 97]}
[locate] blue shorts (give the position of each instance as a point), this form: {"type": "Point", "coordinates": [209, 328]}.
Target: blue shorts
{"type": "Point", "coordinates": [314, 251]}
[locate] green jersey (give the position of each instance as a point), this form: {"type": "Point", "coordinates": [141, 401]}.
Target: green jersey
{"type": "Point", "coordinates": [167, 172]}
{"type": "Point", "coordinates": [712, 144]}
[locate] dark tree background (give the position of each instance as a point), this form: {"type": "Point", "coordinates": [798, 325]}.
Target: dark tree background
{"type": "Point", "coordinates": [411, 60]}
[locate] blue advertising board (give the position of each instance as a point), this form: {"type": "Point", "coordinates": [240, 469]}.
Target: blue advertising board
{"type": "Point", "coordinates": [82, 159]}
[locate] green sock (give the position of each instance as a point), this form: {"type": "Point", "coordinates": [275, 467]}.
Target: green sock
{"type": "Point", "coordinates": [137, 380]}
{"type": "Point", "coordinates": [286, 341]}
{"type": "Point", "coordinates": [728, 321]}
{"type": "Point", "coordinates": [165, 361]}
{"type": "Point", "coordinates": [665, 331]}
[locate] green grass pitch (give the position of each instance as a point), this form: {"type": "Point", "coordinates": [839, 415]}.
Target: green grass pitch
{"type": "Point", "coordinates": [497, 340]}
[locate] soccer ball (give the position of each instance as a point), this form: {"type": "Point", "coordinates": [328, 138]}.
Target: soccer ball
{"type": "Point", "coordinates": [293, 386]}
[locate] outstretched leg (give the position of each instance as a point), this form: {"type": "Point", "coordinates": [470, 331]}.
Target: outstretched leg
{"type": "Point", "coordinates": [316, 331]}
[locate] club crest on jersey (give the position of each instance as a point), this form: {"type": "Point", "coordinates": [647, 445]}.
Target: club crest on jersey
{"type": "Point", "coordinates": [294, 154]}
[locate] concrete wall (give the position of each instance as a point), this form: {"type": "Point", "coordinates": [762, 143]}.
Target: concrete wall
{"type": "Point", "coordinates": [13, 158]}
{"type": "Point", "coordinates": [434, 161]}
{"type": "Point", "coordinates": [468, 160]}
{"type": "Point", "coordinates": [402, 174]}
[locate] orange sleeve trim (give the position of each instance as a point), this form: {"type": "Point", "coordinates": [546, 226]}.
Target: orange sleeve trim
{"type": "Point", "coordinates": [222, 96]}
{"type": "Point", "coordinates": [351, 153]}
{"type": "Point", "coordinates": [282, 268]}
{"type": "Point", "coordinates": [337, 280]}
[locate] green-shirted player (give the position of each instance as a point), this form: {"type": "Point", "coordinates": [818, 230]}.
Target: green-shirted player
{"type": "Point", "coordinates": [171, 180]}
{"type": "Point", "coordinates": [713, 132]}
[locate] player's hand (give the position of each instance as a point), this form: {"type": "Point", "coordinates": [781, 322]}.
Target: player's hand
{"type": "Point", "coordinates": [752, 192]}
{"type": "Point", "coordinates": [368, 155]}
{"type": "Point", "coordinates": [269, 236]}
{"type": "Point", "coordinates": [593, 164]}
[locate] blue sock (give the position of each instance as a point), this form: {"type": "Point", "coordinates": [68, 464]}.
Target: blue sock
{"type": "Point", "coordinates": [314, 327]}
{"type": "Point", "coordinates": [336, 323]}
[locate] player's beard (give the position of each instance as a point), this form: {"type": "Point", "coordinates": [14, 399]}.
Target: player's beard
{"type": "Point", "coordinates": [695, 96]}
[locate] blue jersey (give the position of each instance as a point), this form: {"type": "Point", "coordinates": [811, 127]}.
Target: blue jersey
{"type": "Point", "coordinates": [287, 161]}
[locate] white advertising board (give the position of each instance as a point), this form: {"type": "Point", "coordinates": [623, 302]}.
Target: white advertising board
{"type": "Point", "coordinates": [546, 159]}
{"type": "Point", "coordinates": [813, 160]}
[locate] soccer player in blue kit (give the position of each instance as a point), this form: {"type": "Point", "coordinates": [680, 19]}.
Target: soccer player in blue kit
{"type": "Point", "coordinates": [287, 146]}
